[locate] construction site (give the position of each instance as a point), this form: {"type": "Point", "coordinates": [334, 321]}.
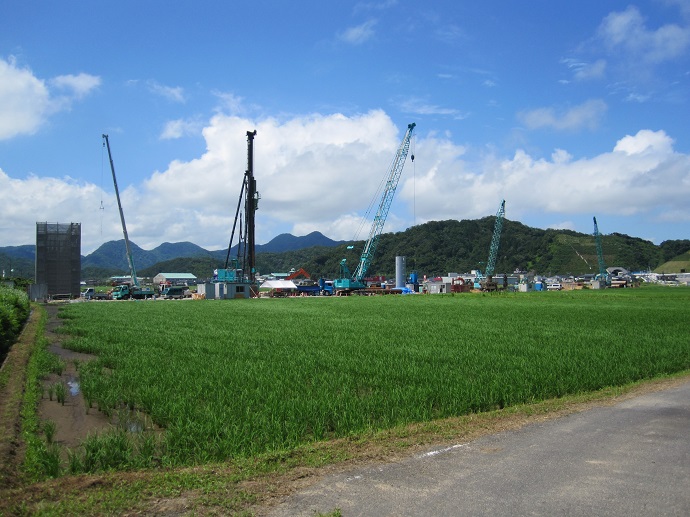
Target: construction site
{"type": "Point", "coordinates": [58, 258]}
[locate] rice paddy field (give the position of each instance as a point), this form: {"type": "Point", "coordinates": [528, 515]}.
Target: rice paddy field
{"type": "Point", "coordinates": [234, 378]}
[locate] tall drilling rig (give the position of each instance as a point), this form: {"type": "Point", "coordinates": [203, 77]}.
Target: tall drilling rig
{"type": "Point", "coordinates": [241, 269]}
{"type": "Point", "coordinates": [251, 205]}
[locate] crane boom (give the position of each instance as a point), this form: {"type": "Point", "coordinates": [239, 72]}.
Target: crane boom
{"type": "Point", "coordinates": [496, 239]}
{"type": "Point", "coordinates": [130, 260]}
{"type": "Point", "coordinates": [348, 282]}
{"type": "Point", "coordinates": [600, 251]}
{"type": "Point", "coordinates": [385, 204]}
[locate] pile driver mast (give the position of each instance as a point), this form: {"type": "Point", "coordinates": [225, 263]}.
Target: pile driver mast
{"type": "Point", "coordinates": [356, 281]}
{"type": "Point", "coordinates": [130, 259]}
{"type": "Point", "coordinates": [246, 247]}
{"type": "Point", "coordinates": [603, 274]}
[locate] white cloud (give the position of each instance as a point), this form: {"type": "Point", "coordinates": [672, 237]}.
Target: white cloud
{"type": "Point", "coordinates": [321, 172]}
{"type": "Point", "coordinates": [644, 142]}
{"type": "Point", "coordinates": [26, 102]}
{"type": "Point", "coordinates": [417, 106]}
{"type": "Point", "coordinates": [174, 94]}
{"type": "Point", "coordinates": [26, 201]}
{"type": "Point", "coordinates": [591, 70]}
{"type": "Point", "coordinates": [359, 34]}
{"type": "Point", "coordinates": [374, 6]}
{"type": "Point", "coordinates": [586, 115]}
{"type": "Point", "coordinates": [625, 31]}
{"type": "Point", "coordinates": [178, 128]}
{"type": "Point", "coordinates": [80, 85]}
{"type": "Point", "coordinates": [563, 225]}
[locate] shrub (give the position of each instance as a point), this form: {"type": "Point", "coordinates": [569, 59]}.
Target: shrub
{"type": "Point", "coordinates": [14, 310]}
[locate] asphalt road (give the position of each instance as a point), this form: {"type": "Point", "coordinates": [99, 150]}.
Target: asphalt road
{"type": "Point", "coordinates": [624, 460]}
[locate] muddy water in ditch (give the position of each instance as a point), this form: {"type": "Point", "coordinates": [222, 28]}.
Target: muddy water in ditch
{"type": "Point", "coordinates": [73, 421]}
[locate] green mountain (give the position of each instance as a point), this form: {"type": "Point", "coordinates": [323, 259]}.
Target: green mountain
{"type": "Point", "coordinates": [678, 264]}
{"type": "Point", "coordinates": [439, 247]}
{"type": "Point", "coordinates": [432, 249]}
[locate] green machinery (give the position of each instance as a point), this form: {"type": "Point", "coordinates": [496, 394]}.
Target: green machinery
{"type": "Point", "coordinates": [482, 281]}
{"type": "Point", "coordinates": [352, 281]}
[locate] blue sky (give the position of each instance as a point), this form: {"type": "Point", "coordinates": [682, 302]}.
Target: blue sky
{"type": "Point", "coordinates": [567, 110]}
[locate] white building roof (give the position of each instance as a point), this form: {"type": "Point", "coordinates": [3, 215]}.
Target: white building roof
{"type": "Point", "coordinates": [178, 276]}
{"type": "Point", "coordinates": [278, 284]}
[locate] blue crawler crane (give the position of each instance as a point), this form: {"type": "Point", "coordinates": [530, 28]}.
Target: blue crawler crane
{"type": "Point", "coordinates": [347, 282]}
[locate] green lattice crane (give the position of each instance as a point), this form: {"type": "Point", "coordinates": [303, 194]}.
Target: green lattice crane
{"type": "Point", "coordinates": [484, 281]}
{"type": "Point", "coordinates": [348, 282]}
{"type": "Point", "coordinates": [496, 239]}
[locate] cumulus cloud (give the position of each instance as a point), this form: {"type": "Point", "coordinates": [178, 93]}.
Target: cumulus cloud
{"type": "Point", "coordinates": [586, 115]}
{"type": "Point", "coordinates": [626, 32]}
{"type": "Point", "coordinates": [321, 172]}
{"type": "Point", "coordinates": [26, 102]}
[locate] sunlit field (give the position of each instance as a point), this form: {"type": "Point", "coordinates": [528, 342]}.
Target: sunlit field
{"type": "Point", "coordinates": [232, 378]}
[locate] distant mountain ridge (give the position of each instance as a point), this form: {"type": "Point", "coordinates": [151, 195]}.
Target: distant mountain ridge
{"type": "Point", "coordinates": [433, 248]}
{"type": "Point", "coordinates": [112, 255]}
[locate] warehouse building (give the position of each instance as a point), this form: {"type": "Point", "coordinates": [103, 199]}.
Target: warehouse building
{"type": "Point", "coordinates": [168, 279]}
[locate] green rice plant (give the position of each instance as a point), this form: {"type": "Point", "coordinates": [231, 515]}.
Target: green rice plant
{"type": "Point", "coordinates": [74, 462]}
{"type": "Point", "coordinates": [51, 460]}
{"type": "Point", "coordinates": [108, 451]}
{"type": "Point", "coordinates": [241, 378]}
{"type": "Point", "coordinates": [60, 392]}
{"type": "Point", "coordinates": [51, 391]}
{"type": "Point", "coordinates": [147, 450]}
{"type": "Point", "coordinates": [57, 366]}
{"type": "Point", "coordinates": [49, 428]}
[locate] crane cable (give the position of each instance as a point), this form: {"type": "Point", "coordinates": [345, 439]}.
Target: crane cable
{"type": "Point", "coordinates": [102, 208]}
{"type": "Point", "coordinates": [373, 204]}
{"type": "Point", "coordinates": [414, 182]}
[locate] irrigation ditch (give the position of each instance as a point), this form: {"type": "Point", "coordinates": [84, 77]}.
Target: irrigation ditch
{"type": "Point", "coordinates": [73, 422]}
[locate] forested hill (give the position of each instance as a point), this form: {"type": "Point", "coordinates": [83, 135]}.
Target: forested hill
{"type": "Point", "coordinates": [434, 248]}
{"type": "Point", "coordinates": [439, 247]}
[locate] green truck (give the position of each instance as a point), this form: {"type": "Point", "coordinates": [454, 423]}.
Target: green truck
{"type": "Point", "coordinates": [125, 292]}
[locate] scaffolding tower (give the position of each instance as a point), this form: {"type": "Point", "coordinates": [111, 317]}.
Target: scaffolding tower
{"type": "Point", "coordinates": [58, 258]}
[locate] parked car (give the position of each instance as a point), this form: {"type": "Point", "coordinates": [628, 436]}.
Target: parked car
{"type": "Point", "coordinates": [176, 291]}
{"type": "Point", "coordinates": [554, 287]}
